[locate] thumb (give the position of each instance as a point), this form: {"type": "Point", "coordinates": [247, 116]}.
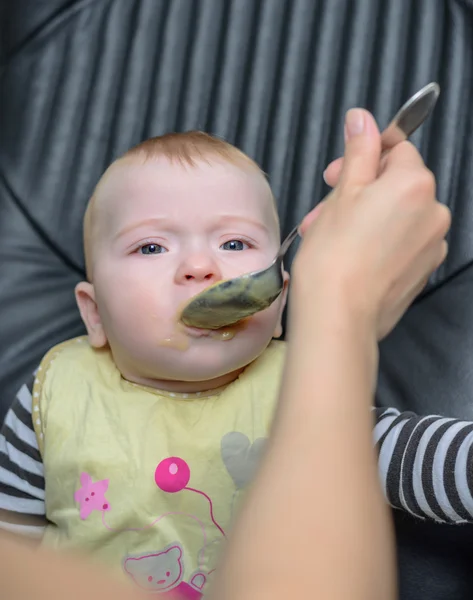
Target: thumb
{"type": "Point", "coordinates": [362, 149]}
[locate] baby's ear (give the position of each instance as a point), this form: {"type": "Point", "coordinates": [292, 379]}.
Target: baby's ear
{"type": "Point", "coordinates": [278, 331]}
{"type": "Point", "coordinates": [85, 298]}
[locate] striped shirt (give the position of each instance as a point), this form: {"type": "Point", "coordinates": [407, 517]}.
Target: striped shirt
{"type": "Point", "coordinates": [22, 486]}
{"type": "Point", "coordinates": [425, 466]}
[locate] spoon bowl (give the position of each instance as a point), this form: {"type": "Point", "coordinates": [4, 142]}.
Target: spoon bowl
{"type": "Point", "coordinates": [231, 300]}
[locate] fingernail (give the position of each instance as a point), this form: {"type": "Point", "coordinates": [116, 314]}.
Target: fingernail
{"type": "Point", "coordinates": [324, 176]}
{"type": "Point", "coordinates": [354, 123]}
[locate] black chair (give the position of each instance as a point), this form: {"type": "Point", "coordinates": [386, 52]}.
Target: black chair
{"type": "Point", "coordinates": [82, 80]}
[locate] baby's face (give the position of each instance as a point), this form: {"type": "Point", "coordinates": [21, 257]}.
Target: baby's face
{"type": "Point", "coordinates": [162, 233]}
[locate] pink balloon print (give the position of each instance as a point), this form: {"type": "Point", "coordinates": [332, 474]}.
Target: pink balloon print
{"type": "Point", "coordinates": [172, 474]}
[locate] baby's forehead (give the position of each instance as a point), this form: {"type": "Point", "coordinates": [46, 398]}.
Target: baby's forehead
{"type": "Point", "coordinates": [133, 185]}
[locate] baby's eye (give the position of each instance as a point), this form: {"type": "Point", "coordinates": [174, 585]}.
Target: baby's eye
{"type": "Point", "coordinates": [152, 249]}
{"type": "Point", "coordinates": [234, 245]}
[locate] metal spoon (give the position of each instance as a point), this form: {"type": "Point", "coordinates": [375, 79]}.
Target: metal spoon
{"type": "Point", "coordinates": [229, 301]}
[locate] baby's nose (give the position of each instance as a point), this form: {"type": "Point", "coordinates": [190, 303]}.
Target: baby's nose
{"type": "Point", "coordinates": [198, 268]}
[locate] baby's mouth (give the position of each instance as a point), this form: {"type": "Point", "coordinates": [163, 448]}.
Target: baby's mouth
{"type": "Point", "coordinates": [196, 332]}
{"type": "Point", "coordinates": [182, 334]}
{"type": "Point", "coordinates": [223, 334]}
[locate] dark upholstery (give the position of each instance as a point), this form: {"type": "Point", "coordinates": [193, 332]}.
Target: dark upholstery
{"type": "Point", "coordinates": [83, 80]}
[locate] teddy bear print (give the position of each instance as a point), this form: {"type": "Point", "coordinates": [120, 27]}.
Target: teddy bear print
{"type": "Point", "coordinates": [162, 572]}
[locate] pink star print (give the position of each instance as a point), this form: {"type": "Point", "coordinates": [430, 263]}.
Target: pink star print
{"type": "Point", "coordinates": [91, 496]}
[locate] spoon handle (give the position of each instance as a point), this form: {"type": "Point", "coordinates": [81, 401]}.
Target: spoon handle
{"type": "Point", "coordinates": [288, 241]}
{"type": "Point", "coordinates": [408, 118]}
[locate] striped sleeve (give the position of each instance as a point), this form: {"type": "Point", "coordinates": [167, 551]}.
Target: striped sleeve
{"type": "Point", "coordinates": [426, 464]}
{"type": "Point", "coordinates": [22, 508]}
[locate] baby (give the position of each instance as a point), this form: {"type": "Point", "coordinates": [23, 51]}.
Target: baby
{"type": "Point", "coordinates": [147, 432]}
{"type": "Point", "coordinates": [134, 444]}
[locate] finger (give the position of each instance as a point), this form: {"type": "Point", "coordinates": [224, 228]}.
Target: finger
{"type": "Point", "coordinates": [403, 155]}
{"type": "Point", "coordinates": [332, 173]}
{"type": "Point", "coordinates": [417, 291]}
{"type": "Point", "coordinates": [442, 254]}
{"type": "Point", "coordinates": [382, 163]}
{"type": "Point", "coordinates": [310, 218]}
{"type": "Point", "coordinates": [433, 261]}
{"type": "Point", "coordinates": [434, 264]}
{"type": "Point", "coordinates": [444, 217]}
{"type": "Point", "coordinates": [362, 150]}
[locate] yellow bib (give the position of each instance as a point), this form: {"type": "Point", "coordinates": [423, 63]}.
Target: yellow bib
{"type": "Point", "coordinates": [146, 480]}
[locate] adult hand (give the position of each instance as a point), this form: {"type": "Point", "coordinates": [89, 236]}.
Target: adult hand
{"type": "Point", "coordinates": [334, 170]}
{"type": "Point", "coordinates": [376, 239]}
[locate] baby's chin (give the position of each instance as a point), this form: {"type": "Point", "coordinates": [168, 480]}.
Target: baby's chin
{"type": "Point", "coordinates": [210, 359]}
{"type": "Point", "coordinates": [203, 360]}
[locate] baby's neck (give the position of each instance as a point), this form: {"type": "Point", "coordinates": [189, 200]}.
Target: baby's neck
{"type": "Point", "coordinates": [185, 387]}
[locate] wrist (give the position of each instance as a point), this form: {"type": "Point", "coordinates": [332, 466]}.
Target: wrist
{"type": "Point", "coordinates": [330, 307]}
{"type": "Point", "coordinates": [330, 334]}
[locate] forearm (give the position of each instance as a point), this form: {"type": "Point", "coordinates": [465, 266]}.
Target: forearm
{"type": "Point", "coordinates": [328, 508]}
{"type": "Point", "coordinates": [426, 464]}
{"type": "Point", "coordinates": [26, 572]}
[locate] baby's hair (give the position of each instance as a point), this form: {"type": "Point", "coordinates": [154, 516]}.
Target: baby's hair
{"type": "Point", "coordinates": [190, 147]}
{"type": "Point", "coordinates": [187, 148]}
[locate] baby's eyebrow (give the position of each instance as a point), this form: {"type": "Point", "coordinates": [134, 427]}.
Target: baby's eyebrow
{"type": "Point", "coordinates": [154, 221]}
{"type": "Point", "coordinates": [221, 221]}
{"type": "Point", "coordinates": [226, 219]}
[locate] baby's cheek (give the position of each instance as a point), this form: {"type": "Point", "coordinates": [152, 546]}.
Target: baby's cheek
{"type": "Point", "coordinates": [138, 275]}
{"type": "Point", "coordinates": [142, 299]}
{"type": "Point", "coordinates": [269, 318]}
{"type": "Point", "coordinates": [239, 263]}
{"type": "Point", "coordinates": [136, 316]}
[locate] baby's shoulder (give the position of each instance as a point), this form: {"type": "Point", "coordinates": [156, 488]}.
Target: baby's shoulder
{"type": "Point", "coordinates": [73, 359]}
{"type": "Point", "coordinates": [72, 350]}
